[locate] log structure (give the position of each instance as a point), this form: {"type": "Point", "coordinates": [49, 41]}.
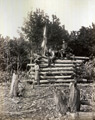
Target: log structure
{"type": "Point", "coordinates": [59, 72]}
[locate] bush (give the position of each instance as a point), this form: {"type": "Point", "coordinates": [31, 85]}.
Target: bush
{"type": "Point", "coordinates": [90, 69]}
{"type": "Point", "coordinates": [5, 76]}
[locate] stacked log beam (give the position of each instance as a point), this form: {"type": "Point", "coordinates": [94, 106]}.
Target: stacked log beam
{"type": "Point", "coordinates": [59, 72]}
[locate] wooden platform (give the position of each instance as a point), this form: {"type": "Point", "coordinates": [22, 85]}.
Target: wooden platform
{"type": "Point", "coordinates": [60, 72]}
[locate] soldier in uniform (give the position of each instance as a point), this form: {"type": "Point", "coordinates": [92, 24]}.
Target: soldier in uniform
{"type": "Point", "coordinates": [51, 56]}
{"type": "Point", "coordinates": [63, 50]}
{"type": "Point", "coordinates": [37, 72]}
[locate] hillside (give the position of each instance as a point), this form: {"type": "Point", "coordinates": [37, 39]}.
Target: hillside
{"type": "Point", "coordinates": [38, 103]}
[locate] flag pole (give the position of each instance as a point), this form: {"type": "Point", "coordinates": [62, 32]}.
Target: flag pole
{"type": "Point", "coordinates": [44, 42]}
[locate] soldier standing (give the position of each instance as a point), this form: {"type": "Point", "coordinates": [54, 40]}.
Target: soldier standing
{"type": "Point", "coordinates": [37, 72]}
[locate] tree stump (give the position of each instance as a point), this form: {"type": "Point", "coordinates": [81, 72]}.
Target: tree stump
{"type": "Point", "coordinates": [14, 85]}
{"type": "Point", "coordinates": [60, 101]}
{"type": "Point", "coordinates": [74, 98]}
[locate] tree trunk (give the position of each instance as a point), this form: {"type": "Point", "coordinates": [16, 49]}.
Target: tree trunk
{"type": "Point", "coordinates": [60, 101]}
{"type": "Point", "coordinates": [74, 98]}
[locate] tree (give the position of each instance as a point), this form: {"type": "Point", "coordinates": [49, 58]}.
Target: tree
{"type": "Point", "coordinates": [19, 53]}
{"type": "Point", "coordinates": [56, 33]}
{"type": "Point", "coordinates": [2, 61]}
{"type": "Point", "coordinates": [33, 30]}
{"type": "Point", "coordinates": [14, 53]}
{"type": "Point", "coordinates": [92, 41]}
{"type": "Point", "coordinates": [82, 42]}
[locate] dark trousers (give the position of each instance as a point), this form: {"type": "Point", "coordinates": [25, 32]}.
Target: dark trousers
{"type": "Point", "coordinates": [51, 60]}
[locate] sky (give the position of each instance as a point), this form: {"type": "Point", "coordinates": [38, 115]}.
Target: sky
{"type": "Point", "coordinates": [72, 13]}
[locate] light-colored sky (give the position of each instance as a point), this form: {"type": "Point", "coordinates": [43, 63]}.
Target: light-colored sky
{"type": "Point", "coordinates": [72, 13]}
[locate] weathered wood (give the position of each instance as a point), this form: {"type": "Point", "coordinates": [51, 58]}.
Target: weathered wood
{"type": "Point", "coordinates": [55, 69]}
{"type": "Point", "coordinates": [80, 58]}
{"type": "Point", "coordinates": [55, 65]}
{"type": "Point", "coordinates": [54, 72]}
{"type": "Point", "coordinates": [54, 77]}
{"type": "Point", "coordinates": [58, 68]}
{"type": "Point", "coordinates": [14, 85]}
{"type": "Point", "coordinates": [60, 101]}
{"type": "Point", "coordinates": [76, 57]}
{"type": "Point", "coordinates": [64, 61]}
{"type": "Point", "coordinates": [74, 98]}
{"type": "Point", "coordinates": [55, 81]}
{"type": "Point", "coordinates": [63, 83]}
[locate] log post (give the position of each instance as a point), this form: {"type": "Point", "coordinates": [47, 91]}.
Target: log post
{"type": "Point", "coordinates": [14, 85]}
{"type": "Point", "coordinates": [74, 98]}
{"type": "Point", "coordinates": [60, 101]}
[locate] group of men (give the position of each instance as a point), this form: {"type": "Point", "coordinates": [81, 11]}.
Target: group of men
{"type": "Point", "coordinates": [52, 55]}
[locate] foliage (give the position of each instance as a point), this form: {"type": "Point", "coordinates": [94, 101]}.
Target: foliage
{"type": "Point", "coordinates": [86, 70]}
{"type": "Point", "coordinates": [56, 33]}
{"type": "Point", "coordinates": [14, 53]}
{"type": "Point", "coordinates": [19, 51]}
{"type": "Point", "coordinates": [90, 69]}
{"type": "Point", "coordinates": [33, 30]}
{"type": "Point", "coordinates": [5, 76]}
{"type": "Point", "coordinates": [2, 52]}
{"type": "Point", "coordinates": [82, 42]}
